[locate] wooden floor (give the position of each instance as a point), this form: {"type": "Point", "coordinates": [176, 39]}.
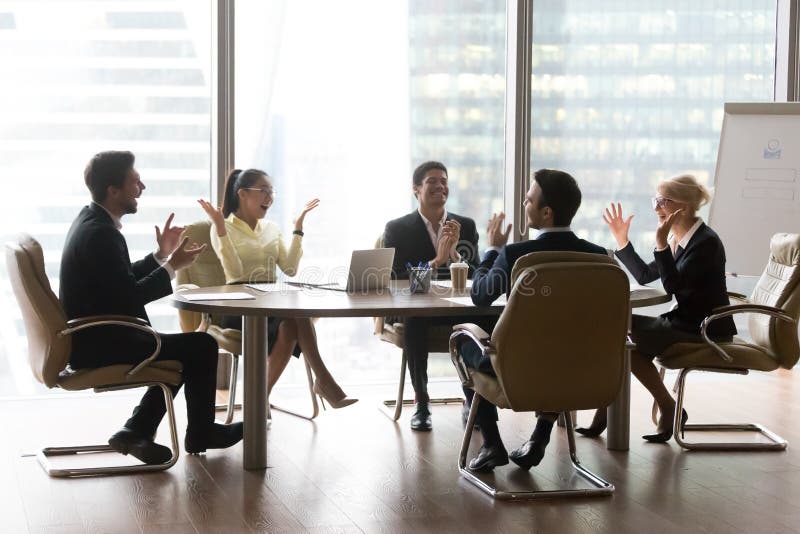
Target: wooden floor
{"type": "Point", "coordinates": [353, 470]}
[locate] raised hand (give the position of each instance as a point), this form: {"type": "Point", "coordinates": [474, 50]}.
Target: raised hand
{"type": "Point", "coordinates": [310, 205]}
{"type": "Point", "coordinates": [216, 216]}
{"type": "Point", "coordinates": [168, 239]}
{"type": "Point", "coordinates": [495, 235]}
{"type": "Point", "coordinates": [662, 232]}
{"type": "Point", "coordinates": [618, 225]}
{"type": "Point", "coordinates": [446, 247]}
{"type": "Point", "coordinates": [184, 256]}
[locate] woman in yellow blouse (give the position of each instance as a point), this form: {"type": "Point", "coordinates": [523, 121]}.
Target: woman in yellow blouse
{"type": "Point", "coordinates": [249, 248]}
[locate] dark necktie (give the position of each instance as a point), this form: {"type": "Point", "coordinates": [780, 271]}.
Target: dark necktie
{"type": "Point", "coordinates": [678, 251]}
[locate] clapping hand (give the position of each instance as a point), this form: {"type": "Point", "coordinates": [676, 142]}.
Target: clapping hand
{"type": "Point", "coordinates": [618, 225]}
{"type": "Point", "coordinates": [310, 205]}
{"type": "Point", "coordinates": [495, 235]}
{"type": "Point", "coordinates": [184, 256]}
{"type": "Point", "coordinates": [446, 247]}
{"type": "Point", "coordinates": [215, 214]}
{"type": "Point", "coordinates": [168, 239]}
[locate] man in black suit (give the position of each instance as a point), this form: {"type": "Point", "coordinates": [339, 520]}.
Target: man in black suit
{"type": "Point", "coordinates": [428, 235]}
{"type": "Point", "coordinates": [550, 204]}
{"type": "Point", "coordinates": [98, 278]}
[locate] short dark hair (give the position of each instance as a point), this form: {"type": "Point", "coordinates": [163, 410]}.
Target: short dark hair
{"type": "Point", "coordinates": [560, 192]}
{"type": "Point", "coordinates": [425, 168]}
{"type": "Point", "coordinates": [107, 169]}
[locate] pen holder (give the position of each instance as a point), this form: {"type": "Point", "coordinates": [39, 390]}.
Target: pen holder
{"type": "Point", "coordinates": [420, 278]}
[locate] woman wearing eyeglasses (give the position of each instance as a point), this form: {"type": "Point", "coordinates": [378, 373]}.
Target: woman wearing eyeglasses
{"type": "Point", "coordinates": [689, 258]}
{"type": "Point", "coordinates": [250, 249]}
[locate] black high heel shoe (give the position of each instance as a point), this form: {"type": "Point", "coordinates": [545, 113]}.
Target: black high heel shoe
{"type": "Point", "coordinates": [597, 427]}
{"type": "Point", "coordinates": [663, 437]}
{"type": "Point", "coordinates": [591, 431]}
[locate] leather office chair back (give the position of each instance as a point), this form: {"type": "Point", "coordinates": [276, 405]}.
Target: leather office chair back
{"type": "Point", "coordinates": [779, 286]}
{"type": "Point", "coordinates": [42, 314]}
{"type": "Point", "coordinates": [204, 272]}
{"type": "Point", "coordinates": [560, 342]}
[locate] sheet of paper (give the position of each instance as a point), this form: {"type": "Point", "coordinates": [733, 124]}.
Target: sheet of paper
{"type": "Point", "coordinates": [467, 301]}
{"type": "Point", "coordinates": [273, 288]}
{"type": "Point", "coordinates": [448, 283]}
{"type": "Point", "coordinates": [217, 296]}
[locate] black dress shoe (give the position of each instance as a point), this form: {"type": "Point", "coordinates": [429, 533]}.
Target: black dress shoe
{"type": "Point", "coordinates": [218, 437]}
{"type": "Point", "coordinates": [128, 441]}
{"type": "Point", "coordinates": [421, 420]}
{"type": "Point", "coordinates": [528, 454]}
{"type": "Point", "coordinates": [489, 457]}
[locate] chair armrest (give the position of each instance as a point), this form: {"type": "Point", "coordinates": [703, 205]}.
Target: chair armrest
{"type": "Point", "coordinates": [94, 318]}
{"type": "Point", "coordinates": [82, 323]}
{"type": "Point", "coordinates": [738, 296]}
{"type": "Point", "coordinates": [474, 333]}
{"type": "Point", "coordinates": [733, 309]}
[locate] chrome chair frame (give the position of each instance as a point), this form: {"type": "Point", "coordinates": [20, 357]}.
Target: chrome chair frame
{"type": "Point", "coordinates": [44, 455]}
{"type": "Point", "coordinates": [600, 486]}
{"type": "Point", "coordinates": [231, 406]}
{"type": "Point", "coordinates": [400, 402]}
{"type": "Point", "coordinates": [776, 443]}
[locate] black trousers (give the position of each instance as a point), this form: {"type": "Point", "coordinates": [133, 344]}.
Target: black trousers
{"type": "Point", "coordinates": [474, 359]}
{"type": "Point", "coordinates": [196, 351]}
{"type": "Point", "coordinates": [416, 331]}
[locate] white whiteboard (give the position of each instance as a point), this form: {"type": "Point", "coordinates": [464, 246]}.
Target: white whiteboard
{"type": "Point", "coordinates": [757, 182]}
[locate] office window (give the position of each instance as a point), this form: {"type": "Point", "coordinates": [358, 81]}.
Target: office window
{"type": "Point", "coordinates": [341, 100]}
{"type": "Point", "coordinates": [627, 93]}
{"type": "Point", "coordinates": [82, 77]}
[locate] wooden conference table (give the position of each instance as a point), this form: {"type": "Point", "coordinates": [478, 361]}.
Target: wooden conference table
{"type": "Point", "coordinates": [395, 301]}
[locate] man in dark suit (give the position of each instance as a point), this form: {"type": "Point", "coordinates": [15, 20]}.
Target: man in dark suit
{"type": "Point", "coordinates": [428, 235]}
{"type": "Point", "coordinates": [550, 204]}
{"type": "Point", "coordinates": [98, 278]}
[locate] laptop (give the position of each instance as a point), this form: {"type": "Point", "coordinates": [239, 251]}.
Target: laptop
{"type": "Point", "coordinates": [369, 269]}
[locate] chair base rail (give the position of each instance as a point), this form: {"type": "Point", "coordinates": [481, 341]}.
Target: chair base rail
{"type": "Point", "coordinates": [44, 455]}
{"type": "Point", "coordinates": [600, 486]}
{"type": "Point", "coordinates": [776, 443]}
{"type": "Point", "coordinates": [232, 405]}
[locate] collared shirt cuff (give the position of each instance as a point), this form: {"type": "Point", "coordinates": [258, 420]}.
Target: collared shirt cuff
{"type": "Point", "coordinates": [662, 249]}
{"type": "Point", "coordinates": [492, 249]}
{"type": "Point", "coordinates": [164, 262]}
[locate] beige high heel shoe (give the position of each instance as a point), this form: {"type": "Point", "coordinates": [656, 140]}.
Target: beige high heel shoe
{"type": "Point", "coordinates": [339, 400]}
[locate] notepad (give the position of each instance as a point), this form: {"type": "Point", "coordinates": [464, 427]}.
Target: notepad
{"type": "Point", "coordinates": [217, 296]}
{"type": "Point", "coordinates": [272, 287]}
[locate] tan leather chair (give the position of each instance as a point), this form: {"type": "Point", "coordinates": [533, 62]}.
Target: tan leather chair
{"type": "Point", "coordinates": [774, 308]}
{"type": "Point", "coordinates": [207, 271]}
{"type": "Point", "coordinates": [393, 332]}
{"type": "Point", "coordinates": [49, 345]}
{"type": "Point", "coordinates": [559, 346]}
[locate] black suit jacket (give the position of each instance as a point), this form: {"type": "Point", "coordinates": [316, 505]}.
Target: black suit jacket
{"type": "Point", "coordinates": [696, 276]}
{"type": "Point", "coordinates": [98, 278]}
{"type": "Point", "coordinates": [412, 244]}
{"type": "Point", "coordinates": [493, 276]}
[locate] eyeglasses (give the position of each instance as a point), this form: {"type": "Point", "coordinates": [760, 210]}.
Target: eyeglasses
{"type": "Point", "coordinates": [660, 202]}
{"type": "Point", "coordinates": [268, 193]}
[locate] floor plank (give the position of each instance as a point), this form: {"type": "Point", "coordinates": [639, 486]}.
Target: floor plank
{"type": "Point", "coordinates": [353, 470]}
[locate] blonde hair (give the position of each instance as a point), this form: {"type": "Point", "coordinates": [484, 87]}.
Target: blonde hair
{"type": "Point", "coordinates": [685, 189]}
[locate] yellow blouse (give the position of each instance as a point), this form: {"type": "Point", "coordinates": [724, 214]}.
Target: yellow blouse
{"type": "Point", "coordinates": [250, 255]}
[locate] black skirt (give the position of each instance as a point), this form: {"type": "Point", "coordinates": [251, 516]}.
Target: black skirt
{"type": "Point", "coordinates": [235, 322]}
{"type": "Point", "coordinates": [653, 335]}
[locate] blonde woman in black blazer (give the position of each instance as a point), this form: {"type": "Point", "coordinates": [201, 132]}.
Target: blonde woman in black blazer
{"type": "Point", "coordinates": [689, 258]}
